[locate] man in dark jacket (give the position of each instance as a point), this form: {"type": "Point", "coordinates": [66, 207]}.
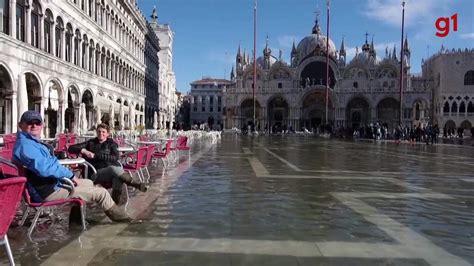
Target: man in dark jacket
{"type": "Point", "coordinates": [102, 152]}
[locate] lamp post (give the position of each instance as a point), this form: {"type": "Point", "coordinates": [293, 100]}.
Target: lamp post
{"type": "Point", "coordinates": [400, 119]}
{"type": "Point", "coordinates": [254, 58]}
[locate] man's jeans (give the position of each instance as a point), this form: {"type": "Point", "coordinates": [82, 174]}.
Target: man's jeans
{"type": "Point", "coordinates": [110, 175]}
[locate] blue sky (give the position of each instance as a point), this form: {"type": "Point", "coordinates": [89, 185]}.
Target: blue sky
{"type": "Point", "coordinates": [208, 32]}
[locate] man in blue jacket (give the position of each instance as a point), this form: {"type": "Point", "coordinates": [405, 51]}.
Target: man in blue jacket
{"type": "Point", "coordinates": [45, 172]}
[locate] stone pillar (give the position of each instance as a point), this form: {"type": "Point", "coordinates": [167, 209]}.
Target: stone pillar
{"type": "Point", "coordinates": [53, 39]}
{"type": "Point", "coordinates": [12, 125]}
{"type": "Point", "coordinates": [63, 45]}
{"type": "Point", "coordinates": [28, 24]}
{"type": "Point", "coordinates": [13, 18]}
{"type": "Point", "coordinates": [79, 52]}
{"type": "Point", "coordinates": [86, 57]}
{"type": "Point", "coordinates": [41, 31]}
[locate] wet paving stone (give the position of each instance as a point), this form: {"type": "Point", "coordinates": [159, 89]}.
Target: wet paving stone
{"type": "Point", "coordinates": [285, 200]}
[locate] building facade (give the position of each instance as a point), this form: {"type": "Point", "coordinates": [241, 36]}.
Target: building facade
{"type": "Point", "coordinates": [151, 76]}
{"type": "Point", "coordinates": [77, 62]}
{"type": "Point", "coordinates": [450, 73]}
{"type": "Point", "coordinates": [167, 80]}
{"type": "Point", "coordinates": [363, 90]}
{"type": "Point", "coordinates": [207, 105]}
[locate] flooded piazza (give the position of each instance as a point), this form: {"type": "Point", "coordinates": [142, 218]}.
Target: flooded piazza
{"type": "Point", "coordinates": [282, 200]}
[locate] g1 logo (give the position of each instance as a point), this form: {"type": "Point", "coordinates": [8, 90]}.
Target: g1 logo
{"type": "Point", "coordinates": [442, 25]}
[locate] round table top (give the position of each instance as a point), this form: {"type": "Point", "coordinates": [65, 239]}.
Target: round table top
{"type": "Point", "coordinates": [72, 161]}
{"type": "Point", "coordinates": [125, 148]}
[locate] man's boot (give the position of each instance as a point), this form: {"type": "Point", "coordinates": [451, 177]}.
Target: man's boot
{"type": "Point", "coordinates": [116, 195]}
{"type": "Point", "coordinates": [130, 182]}
{"type": "Point", "coordinates": [116, 214]}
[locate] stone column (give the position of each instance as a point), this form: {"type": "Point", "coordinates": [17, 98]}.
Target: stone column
{"type": "Point", "coordinates": [53, 39]}
{"type": "Point", "coordinates": [41, 31]}
{"type": "Point", "coordinates": [28, 24]}
{"type": "Point", "coordinates": [63, 45]}
{"type": "Point", "coordinates": [79, 52]}
{"type": "Point", "coordinates": [14, 117]}
{"type": "Point", "coordinates": [86, 57]}
{"type": "Point", "coordinates": [13, 18]}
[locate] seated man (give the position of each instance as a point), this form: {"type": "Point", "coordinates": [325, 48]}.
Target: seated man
{"type": "Point", "coordinates": [102, 152]}
{"type": "Point", "coordinates": [45, 172]}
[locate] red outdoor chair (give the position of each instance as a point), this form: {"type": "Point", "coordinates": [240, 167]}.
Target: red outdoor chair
{"type": "Point", "coordinates": [9, 141]}
{"type": "Point", "coordinates": [10, 196]}
{"type": "Point", "coordinates": [149, 155]}
{"type": "Point", "coordinates": [134, 162]}
{"type": "Point", "coordinates": [62, 143]}
{"type": "Point", "coordinates": [164, 155]}
{"type": "Point", "coordinates": [39, 207]}
{"type": "Point", "coordinates": [182, 143]}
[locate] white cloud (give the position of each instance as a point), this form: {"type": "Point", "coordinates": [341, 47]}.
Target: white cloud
{"type": "Point", "coordinates": [416, 11]}
{"type": "Point", "coordinates": [467, 36]}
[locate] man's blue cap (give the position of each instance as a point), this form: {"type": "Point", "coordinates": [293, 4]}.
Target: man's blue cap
{"type": "Point", "coordinates": [30, 116]}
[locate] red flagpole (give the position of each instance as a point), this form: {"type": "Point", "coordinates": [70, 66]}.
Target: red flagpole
{"type": "Point", "coordinates": [401, 66]}
{"type": "Point", "coordinates": [327, 62]}
{"type": "Point", "coordinates": [254, 58]}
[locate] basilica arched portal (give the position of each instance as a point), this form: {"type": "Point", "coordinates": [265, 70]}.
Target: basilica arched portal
{"type": "Point", "coordinates": [314, 109]}
{"type": "Point", "coordinates": [388, 112]}
{"type": "Point", "coordinates": [358, 113]}
{"type": "Point", "coordinates": [246, 112]}
{"type": "Point", "coordinates": [278, 113]}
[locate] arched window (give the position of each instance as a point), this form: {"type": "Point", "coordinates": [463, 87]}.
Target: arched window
{"type": "Point", "coordinates": [446, 108]}
{"type": "Point", "coordinates": [469, 78]}
{"type": "Point", "coordinates": [59, 36]}
{"type": "Point", "coordinates": [35, 23]}
{"type": "Point", "coordinates": [5, 16]}
{"type": "Point", "coordinates": [48, 28]}
{"type": "Point", "coordinates": [69, 35]}
{"type": "Point", "coordinates": [470, 108]}
{"type": "Point", "coordinates": [355, 85]}
{"type": "Point", "coordinates": [417, 111]}
{"type": "Point", "coordinates": [77, 42]}
{"type": "Point", "coordinates": [20, 19]}
{"type": "Point", "coordinates": [454, 108]}
{"type": "Point", "coordinates": [462, 107]}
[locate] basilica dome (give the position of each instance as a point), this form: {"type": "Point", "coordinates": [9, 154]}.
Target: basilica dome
{"type": "Point", "coordinates": [311, 42]}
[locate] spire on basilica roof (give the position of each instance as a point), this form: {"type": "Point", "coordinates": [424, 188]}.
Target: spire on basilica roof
{"type": "Point", "coordinates": [293, 49]}
{"type": "Point", "coordinates": [342, 51]}
{"type": "Point", "coordinates": [394, 53]}
{"type": "Point", "coordinates": [154, 15]}
{"type": "Point", "coordinates": [316, 28]}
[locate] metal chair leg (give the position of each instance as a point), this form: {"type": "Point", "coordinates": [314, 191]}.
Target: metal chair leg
{"type": "Point", "coordinates": [9, 250]}
{"type": "Point", "coordinates": [25, 216]}
{"type": "Point", "coordinates": [83, 217]}
{"type": "Point", "coordinates": [35, 220]}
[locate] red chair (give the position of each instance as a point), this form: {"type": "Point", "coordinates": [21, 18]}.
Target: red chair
{"type": "Point", "coordinates": [10, 196]}
{"type": "Point", "coordinates": [182, 143]}
{"type": "Point", "coordinates": [149, 155]}
{"type": "Point", "coordinates": [9, 141]}
{"type": "Point", "coordinates": [40, 206]}
{"type": "Point", "coordinates": [62, 143]}
{"type": "Point", "coordinates": [164, 155]}
{"type": "Point", "coordinates": [134, 162]}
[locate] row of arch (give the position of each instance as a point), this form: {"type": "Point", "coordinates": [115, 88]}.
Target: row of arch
{"type": "Point", "coordinates": [52, 35]}
{"type": "Point", "coordinates": [455, 107]}
{"type": "Point", "coordinates": [60, 104]}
